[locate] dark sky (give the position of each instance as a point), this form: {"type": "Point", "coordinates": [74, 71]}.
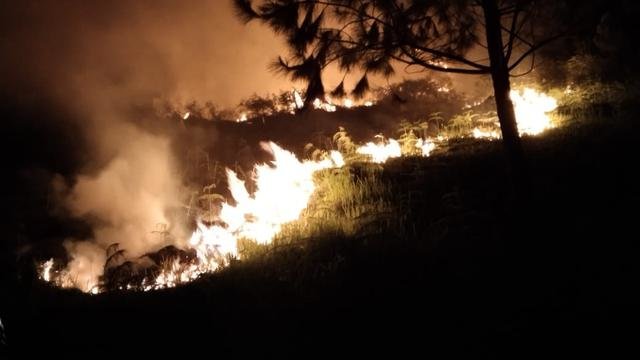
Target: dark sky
{"type": "Point", "coordinates": [182, 49]}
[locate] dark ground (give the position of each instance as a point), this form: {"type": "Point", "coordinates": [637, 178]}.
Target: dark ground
{"type": "Point", "coordinates": [471, 279]}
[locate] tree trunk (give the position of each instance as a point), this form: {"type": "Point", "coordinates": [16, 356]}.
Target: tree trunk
{"type": "Point", "coordinates": [504, 106]}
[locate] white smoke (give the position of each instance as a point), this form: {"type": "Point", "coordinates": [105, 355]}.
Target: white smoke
{"type": "Point", "coordinates": [126, 202]}
{"type": "Point", "coordinates": [86, 265]}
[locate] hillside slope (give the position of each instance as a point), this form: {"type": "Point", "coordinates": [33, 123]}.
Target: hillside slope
{"type": "Point", "coordinates": [454, 271]}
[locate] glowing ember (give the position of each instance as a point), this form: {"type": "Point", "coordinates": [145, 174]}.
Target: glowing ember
{"type": "Point", "coordinates": [242, 117]}
{"type": "Point", "coordinates": [321, 105]}
{"type": "Point", "coordinates": [469, 106]}
{"type": "Point", "coordinates": [328, 104]}
{"type": "Point", "coordinates": [439, 63]}
{"type": "Point", "coordinates": [186, 115]}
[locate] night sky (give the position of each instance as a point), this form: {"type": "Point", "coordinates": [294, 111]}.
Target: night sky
{"type": "Point", "coordinates": [182, 50]}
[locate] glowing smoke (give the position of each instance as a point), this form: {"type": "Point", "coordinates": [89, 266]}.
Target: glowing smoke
{"type": "Point", "coordinates": [124, 202]}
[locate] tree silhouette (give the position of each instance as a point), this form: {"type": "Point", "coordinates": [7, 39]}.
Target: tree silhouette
{"type": "Point", "coordinates": [438, 35]}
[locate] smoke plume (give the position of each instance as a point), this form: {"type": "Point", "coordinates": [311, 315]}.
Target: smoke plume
{"type": "Point", "coordinates": [100, 63]}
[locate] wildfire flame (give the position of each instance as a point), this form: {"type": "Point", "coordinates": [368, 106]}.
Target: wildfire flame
{"type": "Point", "coordinates": [321, 105]}
{"type": "Point", "coordinates": [484, 134]}
{"type": "Point", "coordinates": [242, 118]}
{"type": "Point", "coordinates": [381, 152]}
{"type": "Point", "coordinates": [61, 279]}
{"type": "Point", "coordinates": [329, 105]}
{"type": "Point", "coordinates": [426, 146]}
{"type": "Point", "coordinates": [260, 215]}
{"type": "Point", "coordinates": [46, 270]}
{"type": "Point", "coordinates": [531, 108]}
{"type": "Point", "coordinates": [297, 99]}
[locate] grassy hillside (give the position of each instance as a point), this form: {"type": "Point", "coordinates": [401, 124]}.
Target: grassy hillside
{"type": "Point", "coordinates": [424, 255]}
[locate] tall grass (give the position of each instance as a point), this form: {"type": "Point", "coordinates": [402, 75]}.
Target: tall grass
{"type": "Point", "coordinates": [350, 201]}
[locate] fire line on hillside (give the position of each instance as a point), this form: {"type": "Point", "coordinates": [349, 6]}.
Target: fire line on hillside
{"type": "Point", "coordinates": [260, 215]}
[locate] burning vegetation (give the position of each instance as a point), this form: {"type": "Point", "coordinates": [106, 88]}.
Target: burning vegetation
{"type": "Point", "coordinates": [424, 176]}
{"type": "Point", "coordinates": [258, 206]}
